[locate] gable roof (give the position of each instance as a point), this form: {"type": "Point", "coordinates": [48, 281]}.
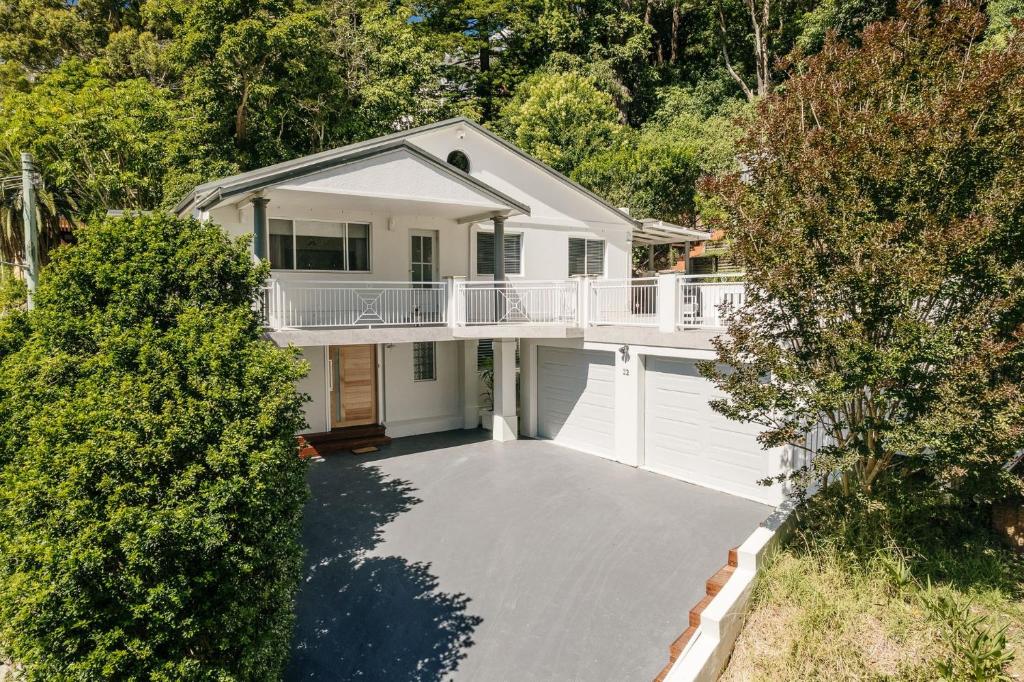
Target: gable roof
{"type": "Point", "coordinates": [259, 178]}
{"type": "Point", "coordinates": [572, 184]}
{"type": "Point", "coordinates": [212, 192]}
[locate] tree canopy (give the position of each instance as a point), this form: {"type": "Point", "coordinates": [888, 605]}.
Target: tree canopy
{"type": "Point", "coordinates": [879, 222]}
{"type": "Point", "coordinates": [130, 104]}
{"type": "Point", "coordinates": [150, 493]}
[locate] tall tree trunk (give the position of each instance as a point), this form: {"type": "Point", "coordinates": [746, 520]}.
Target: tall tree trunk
{"type": "Point", "coordinates": [484, 85]}
{"type": "Point", "coordinates": [676, 20]}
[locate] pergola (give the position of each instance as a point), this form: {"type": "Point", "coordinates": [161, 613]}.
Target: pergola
{"type": "Point", "coordinates": [652, 232]}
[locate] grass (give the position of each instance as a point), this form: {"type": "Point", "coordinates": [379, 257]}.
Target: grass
{"type": "Point", "coordinates": [821, 611]}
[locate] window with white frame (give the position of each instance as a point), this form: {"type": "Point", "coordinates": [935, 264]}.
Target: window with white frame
{"type": "Point", "coordinates": [319, 245]}
{"type": "Point", "coordinates": [424, 367]}
{"type": "Point", "coordinates": [586, 256]}
{"type": "Point", "coordinates": [485, 253]}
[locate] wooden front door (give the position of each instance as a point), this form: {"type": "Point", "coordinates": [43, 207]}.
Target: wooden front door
{"type": "Point", "coordinates": [353, 374]}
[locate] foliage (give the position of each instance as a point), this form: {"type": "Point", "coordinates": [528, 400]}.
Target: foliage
{"type": "Point", "coordinates": [561, 118]}
{"type": "Point", "coordinates": [653, 175]}
{"type": "Point", "coordinates": [881, 233]}
{"type": "Point", "coordinates": [150, 493]}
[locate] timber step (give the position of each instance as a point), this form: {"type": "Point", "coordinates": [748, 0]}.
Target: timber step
{"type": "Point", "coordinates": [342, 440]}
{"type": "Point", "coordinates": [712, 587]}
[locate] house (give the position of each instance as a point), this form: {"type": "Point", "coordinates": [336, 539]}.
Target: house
{"type": "Point", "coordinates": [393, 259]}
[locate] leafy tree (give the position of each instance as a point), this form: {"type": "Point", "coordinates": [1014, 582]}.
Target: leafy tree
{"type": "Point", "coordinates": [881, 232]}
{"type": "Point", "coordinates": [561, 118]}
{"type": "Point", "coordinates": [101, 144]}
{"type": "Point", "coordinates": [150, 492]}
{"type": "Point", "coordinates": [655, 176]}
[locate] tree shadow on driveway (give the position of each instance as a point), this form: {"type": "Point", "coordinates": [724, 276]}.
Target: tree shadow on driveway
{"type": "Point", "coordinates": [369, 617]}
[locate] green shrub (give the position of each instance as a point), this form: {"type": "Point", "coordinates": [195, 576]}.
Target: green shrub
{"type": "Point", "coordinates": [150, 493]}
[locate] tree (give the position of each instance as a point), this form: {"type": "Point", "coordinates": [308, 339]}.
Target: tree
{"type": "Point", "coordinates": [150, 491]}
{"type": "Point", "coordinates": [561, 118]}
{"type": "Point", "coordinates": [654, 175]}
{"type": "Point", "coordinates": [881, 231]}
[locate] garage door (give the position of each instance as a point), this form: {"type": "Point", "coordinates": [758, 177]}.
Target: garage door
{"type": "Point", "coordinates": [684, 437]}
{"type": "Point", "coordinates": [576, 398]}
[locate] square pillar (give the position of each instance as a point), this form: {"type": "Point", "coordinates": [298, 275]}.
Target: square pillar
{"type": "Point", "coordinates": [470, 384]}
{"type": "Point", "coordinates": [506, 421]}
{"type": "Point", "coordinates": [668, 290]}
{"type": "Point", "coordinates": [454, 300]}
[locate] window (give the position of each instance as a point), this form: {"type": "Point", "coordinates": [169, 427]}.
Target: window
{"type": "Point", "coordinates": [319, 245]}
{"type": "Point", "coordinates": [459, 159]}
{"type": "Point", "coordinates": [485, 253]}
{"type": "Point", "coordinates": [423, 366]}
{"type": "Point", "coordinates": [586, 256]}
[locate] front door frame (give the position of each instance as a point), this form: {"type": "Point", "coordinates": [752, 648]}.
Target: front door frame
{"type": "Point", "coordinates": [335, 383]}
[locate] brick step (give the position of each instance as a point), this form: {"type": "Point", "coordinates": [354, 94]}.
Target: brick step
{"type": "Point", "coordinates": [717, 581]}
{"type": "Point", "coordinates": [699, 609]}
{"type": "Point", "coordinates": [711, 588]}
{"type": "Point", "coordinates": [677, 646]}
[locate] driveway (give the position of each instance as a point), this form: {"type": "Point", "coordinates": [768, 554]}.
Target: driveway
{"type": "Point", "coordinates": [451, 556]}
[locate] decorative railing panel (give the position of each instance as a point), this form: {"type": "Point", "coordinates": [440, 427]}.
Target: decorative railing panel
{"type": "Point", "coordinates": [518, 302]}
{"type": "Point", "coordinates": [355, 304]}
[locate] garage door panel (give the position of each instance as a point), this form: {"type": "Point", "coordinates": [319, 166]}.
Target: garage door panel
{"type": "Point", "coordinates": [688, 439]}
{"type": "Point", "coordinates": [576, 398]}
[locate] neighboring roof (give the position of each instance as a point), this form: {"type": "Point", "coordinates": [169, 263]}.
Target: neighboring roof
{"type": "Point", "coordinates": [211, 192]}
{"type": "Point", "coordinates": [263, 177]}
{"type": "Point", "coordinates": [653, 231]}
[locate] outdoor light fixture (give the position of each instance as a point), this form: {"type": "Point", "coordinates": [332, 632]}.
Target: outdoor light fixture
{"type": "Point", "coordinates": [624, 352]}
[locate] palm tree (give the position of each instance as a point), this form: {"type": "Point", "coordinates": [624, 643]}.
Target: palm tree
{"type": "Point", "coordinates": [54, 212]}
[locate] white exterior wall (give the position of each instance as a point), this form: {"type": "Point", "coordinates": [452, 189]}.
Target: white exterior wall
{"type": "Point", "coordinates": [557, 212]}
{"type": "Point", "coordinates": [409, 407]}
{"type": "Point", "coordinates": [413, 407]}
{"type": "Point", "coordinates": [389, 239]}
{"type": "Point", "coordinates": [314, 385]}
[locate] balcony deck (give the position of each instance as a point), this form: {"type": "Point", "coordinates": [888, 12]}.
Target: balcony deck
{"type": "Point", "coordinates": [667, 310]}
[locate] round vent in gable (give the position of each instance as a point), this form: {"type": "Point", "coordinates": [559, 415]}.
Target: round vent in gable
{"type": "Point", "coordinates": [459, 159]}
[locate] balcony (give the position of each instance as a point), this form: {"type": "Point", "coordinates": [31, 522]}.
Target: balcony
{"type": "Point", "coordinates": [667, 303]}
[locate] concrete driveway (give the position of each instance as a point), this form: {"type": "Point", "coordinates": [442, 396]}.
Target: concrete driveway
{"type": "Point", "coordinates": [450, 556]}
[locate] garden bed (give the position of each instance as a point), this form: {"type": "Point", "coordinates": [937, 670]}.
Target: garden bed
{"type": "Point", "coordinates": [822, 613]}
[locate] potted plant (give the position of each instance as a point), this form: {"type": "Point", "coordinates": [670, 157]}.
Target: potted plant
{"type": "Point", "coordinates": [486, 372]}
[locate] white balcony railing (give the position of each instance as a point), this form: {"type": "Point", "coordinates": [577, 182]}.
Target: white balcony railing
{"type": "Point", "coordinates": [517, 302]}
{"type": "Point", "coordinates": [354, 304]}
{"type": "Point", "coordinates": [704, 301]}
{"type": "Point", "coordinates": [668, 302]}
{"type": "Point", "coordinates": [631, 302]}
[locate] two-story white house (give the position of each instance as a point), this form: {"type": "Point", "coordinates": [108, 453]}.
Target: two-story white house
{"type": "Point", "coordinates": [397, 263]}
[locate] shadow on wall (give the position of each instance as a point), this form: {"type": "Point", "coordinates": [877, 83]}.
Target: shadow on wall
{"type": "Point", "coordinates": [369, 617]}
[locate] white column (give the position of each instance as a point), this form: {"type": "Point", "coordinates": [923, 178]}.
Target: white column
{"type": "Point", "coordinates": [629, 395]}
{"type": "Point", "coordinates": [582, 299]}
{"type": "Point", "coordinates": [470, 384]}
{"type": "Point", "coordinates": [506, 423]}
{"type": "Point", "coordinates": [667, 292]}
{"type": "Point", "coordinates": [453, 301]}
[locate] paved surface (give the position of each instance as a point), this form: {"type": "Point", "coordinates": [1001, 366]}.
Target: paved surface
{"type": "Point", "coordinates": [450, 556]}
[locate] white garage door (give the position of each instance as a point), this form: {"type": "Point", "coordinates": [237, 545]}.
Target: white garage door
{"type": "Point", "coordinates": [684, 437]}
{"type": "Point", "coordinates": [576, 398]}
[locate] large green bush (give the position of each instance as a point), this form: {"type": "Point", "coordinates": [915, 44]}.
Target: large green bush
{"type": "Point", "coordinates": [150, 493]}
